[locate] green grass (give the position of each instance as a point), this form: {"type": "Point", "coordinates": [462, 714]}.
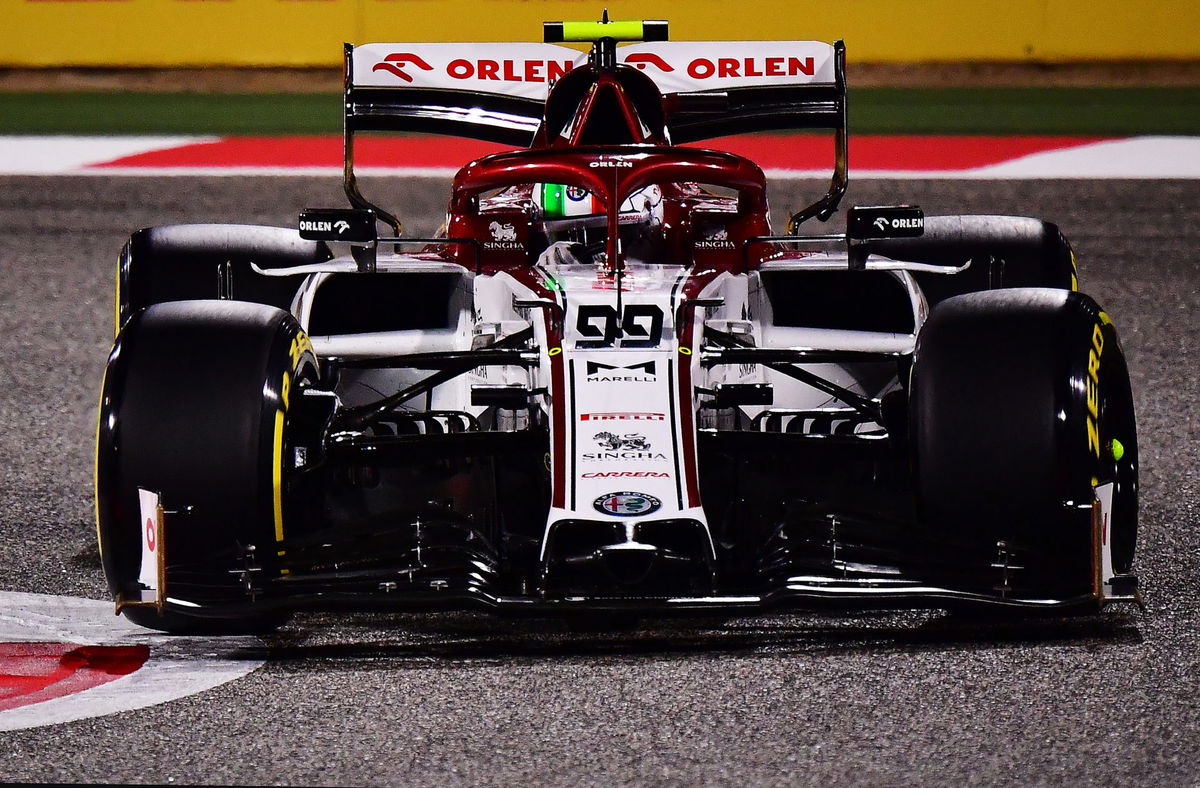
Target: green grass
{"type": "Point", "coordinates": [170, 113]}
{"type": "Point", "coordinates": [1116, 111]}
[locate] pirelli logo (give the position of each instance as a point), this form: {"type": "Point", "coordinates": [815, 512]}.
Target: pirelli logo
{"type": "Point", "coordinates": [622, 417]}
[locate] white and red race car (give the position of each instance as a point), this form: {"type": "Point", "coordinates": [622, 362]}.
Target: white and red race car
{"type": "Point", "coordinates": [608, 386]}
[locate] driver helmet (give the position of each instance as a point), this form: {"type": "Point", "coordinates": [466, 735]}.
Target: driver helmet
{"type": "Point", "coordinates": [572, 213]}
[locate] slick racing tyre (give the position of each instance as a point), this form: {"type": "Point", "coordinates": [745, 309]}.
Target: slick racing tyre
{"type": "Point", "coordinates": [1021, 408]}
{"type": "Point", "coordinates": [178, 262]}
{"type": "Point", "coordinates": [195, 407]}
{"type": "Point", "coordinates": [1005, 251]}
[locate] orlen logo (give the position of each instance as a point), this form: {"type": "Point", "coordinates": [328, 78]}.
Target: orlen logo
{"type": "Point", "coordinates": [643, 59]}
{"type": "Point", "coordinates": [483, 68]}
{"type": "Point", "coordinates": [324, 227]}
{"type": "Point", "coordinates": [883, 223]}
{"type": "Point", "coordinates": [508, 70]}
{"type": "Point", "coordinates": [610, 163]}
{"type": "Point", "coordinates": [392, 63]}
{"type": "Point", "coordinates": [703, 68]}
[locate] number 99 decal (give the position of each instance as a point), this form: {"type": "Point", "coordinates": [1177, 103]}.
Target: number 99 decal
{"type": "Point", "coordinates": [637, 326]}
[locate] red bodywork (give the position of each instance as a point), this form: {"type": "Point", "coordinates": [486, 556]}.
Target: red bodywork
{"type": "Point", "coordinates": [635, 155]}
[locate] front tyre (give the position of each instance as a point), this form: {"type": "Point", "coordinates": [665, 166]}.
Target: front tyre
{"type": "Point", "coordinates": [195, 407]}
{"type": "Point", "coordinates": [1021, 409]}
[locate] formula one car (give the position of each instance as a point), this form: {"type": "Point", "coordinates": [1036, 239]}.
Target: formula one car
{"type": "Point", "coordinates": [607, 387]}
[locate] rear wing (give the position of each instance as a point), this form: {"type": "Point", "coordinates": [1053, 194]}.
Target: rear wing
{"type": "Point", "coordinates": [497, 92]}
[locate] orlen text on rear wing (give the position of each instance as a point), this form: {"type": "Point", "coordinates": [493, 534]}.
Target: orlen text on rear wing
{"type": "Point", "coordinates": [494, 92]}
{"type": "Point", "coordinates": [497, 92]}
{"type": "Point", "coordinates": [718, 88]}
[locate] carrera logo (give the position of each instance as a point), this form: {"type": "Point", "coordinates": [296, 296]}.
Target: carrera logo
{"type": "Point", "coordinates": [703, 68]}
{"type": "Point", "coordinates": [643, 59]}
{"type": "Point", "coordinates": [393, 62]}
{"type": "Point", "coordinates": [625, 475]}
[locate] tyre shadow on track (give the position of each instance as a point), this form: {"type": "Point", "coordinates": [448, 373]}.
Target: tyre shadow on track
{"type": "Point", "coordinates": [441, 640]}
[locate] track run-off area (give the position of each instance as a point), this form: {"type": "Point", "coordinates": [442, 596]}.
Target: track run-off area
{"type": "Point", "coordinates": [897, 698]}
{"type": "Point", "coordinates": [786, 156]}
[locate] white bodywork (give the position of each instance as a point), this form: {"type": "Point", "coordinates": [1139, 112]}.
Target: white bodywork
{"type": "Point", "coordinates": [618, 389]}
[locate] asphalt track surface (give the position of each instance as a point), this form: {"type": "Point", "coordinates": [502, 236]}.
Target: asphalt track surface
{"type": "Point", "coordinates": [893, 699]}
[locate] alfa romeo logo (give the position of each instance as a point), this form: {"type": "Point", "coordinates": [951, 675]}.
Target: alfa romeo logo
{"type": "Point", "coordinates": [626, 504]}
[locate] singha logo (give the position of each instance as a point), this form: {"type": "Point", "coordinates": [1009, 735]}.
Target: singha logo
{"type": "Point", "coordinates": [715, 238]}
{"type": "Point", "coordinates": [630, 441]}
{"type": "Point", "coordinates": [502, 232]}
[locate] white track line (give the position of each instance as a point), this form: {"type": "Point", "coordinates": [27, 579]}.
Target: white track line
{"type": "Point", "coordinates": [1151, 157]}
{"type": "Point", "coordinates": [69, 155]}
{"type": "Point", "coordinates": [1135, 158]}
{"type": "Point", "coordinates": [1138, 157]}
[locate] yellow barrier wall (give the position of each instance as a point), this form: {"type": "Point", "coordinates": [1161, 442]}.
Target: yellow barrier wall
{"type": "Point", "coordinates": [310, 32]}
